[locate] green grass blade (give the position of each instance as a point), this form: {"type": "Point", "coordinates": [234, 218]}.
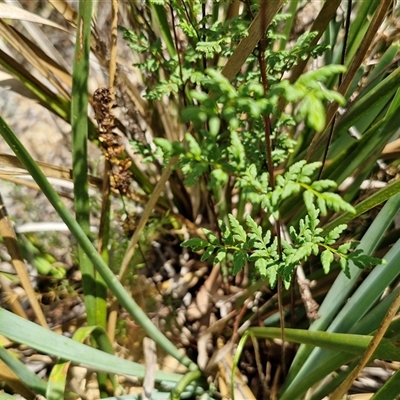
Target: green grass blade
{"type": "Point", "coordinates": [367, 148]}
{"type": "Point", "coordinates": [79, 124]}
{"type": "Point", "coordinates": [358, 28]}
{"type": "Point", "coordinates": [46, 97]}
{"type": "Point", "coordinates": [186, 380]}
{"type": "Point", "coordinates": [335, 362]}
{"type": "Point", "coordinates": [384, 62]}
{"type": "Point", "coordinates": [287, 29]}
{"type": "Point", "coordinates": [368, 204]}
{"type": "Point", "coordinates": [48, 342]}
{"type": "Point", "coordinates": [57, 381]}
{"type": "Point", "coordinates": [363, 300]}
{"type": "Point", "coordinates": [58, 375]}
{"type": "Point", "coordinates": [361, 109]}
{"type": "Point", "coordinates": [99, 335]}
{"type": "Point", "coordinates": [367, 325]}
{"type": "Point", "coordinates": [390, 390]}
{"type": "Point", "coordinates": [338, 342]}
{"type": "Point", "coordinates": [28, 377]}
{"type": "Point", "coordinates": [160, 14]}
{"type": "Point", "coordinates": [111, 280]}
{"type": "Point", "coordinates": [343, 348]}
{"type": "Point", "coordinates": [369, 292]}
{"type": "Point", "coordinates": [367, 110]}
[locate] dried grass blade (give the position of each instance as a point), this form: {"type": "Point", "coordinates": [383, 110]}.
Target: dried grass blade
{"type": "Point", "coordinates": [11, 12]}
{"type": "Point", "coordinates": [50, 170]}
{"type": "Point", "coordinates": [247, 45]}
{"type": "Point", "coordinates": [41, 38]}
{"type": "Point", "coordinates": [320, 25]}
{"type": "Point", "coordinates": [69, 14]}
{"type": "Point", "coordinates": [31, 53]}
{"type": "Point", "coordinates": [146, 214]}
{"type": "Point", "coordinates": [46, 97]}
{"type": "Point", "coordinates": [10, 240]}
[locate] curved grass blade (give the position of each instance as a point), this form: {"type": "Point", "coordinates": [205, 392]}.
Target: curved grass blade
{"type": "Point", "coordinates": [58, 381]}
{"type": "Point", "coordinates": [9, 11]}
{"type": "Point", "coordinates": [29, 378]}
{"type": "Point", "coordinates": [182, 385]}
{"type": "Point", "coordinates": [58, 375]}
{"type": "Point", "coordinates": [48, 342]}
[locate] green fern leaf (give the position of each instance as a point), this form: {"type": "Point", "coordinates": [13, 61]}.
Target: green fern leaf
{"type": "Point", "coordinates": [239, 261]}
{"type": "Point", "coordinates": [238, 232]}
{"type": "Point", "coordinates": [326, 260]}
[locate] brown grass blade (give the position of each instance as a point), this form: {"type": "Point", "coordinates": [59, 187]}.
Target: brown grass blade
{"type": "Point", "coordinates": [51, 171]}
{"type": "Point", "coordinates": [35, 56]}
{"type": "Point", "coordinates": [11, 12]}
{"type": "Point", "coordinates": [68, 13]}
{"type": "Point", "coordinates": [320, 25]}
{"type": "Point", "coordinates": [247, 45]}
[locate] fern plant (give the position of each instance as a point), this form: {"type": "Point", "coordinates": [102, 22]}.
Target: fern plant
{"type": "Point", "coordinates": [233, 126]}
{"type": "Point", "coordinates": [247, 242]}
{"type": "Point", "coordinates": [225, 150]}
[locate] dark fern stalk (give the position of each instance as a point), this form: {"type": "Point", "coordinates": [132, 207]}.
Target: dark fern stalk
{"type": "Point", "coordinates": [179, 55]}
{"type": "Point", "coordinates": [268, 149]}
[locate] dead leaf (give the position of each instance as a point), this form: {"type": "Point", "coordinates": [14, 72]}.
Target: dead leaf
{"type": "Point", "coordinates": [8, 11]}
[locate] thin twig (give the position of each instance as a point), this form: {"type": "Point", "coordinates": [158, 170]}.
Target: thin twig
{"type": "Point", "coordinates": [146, 214]}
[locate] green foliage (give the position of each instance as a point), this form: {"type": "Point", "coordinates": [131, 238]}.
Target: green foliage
{"type": "Point", "coordinates": [239, 148]}
{"type": "Point", "coordinates": [228, 145]}
{"type": "Point", "coordinates": [311, 94]}
{"type": "Point", "coordinates": [252, 245]}
{"type": "Point", "coordinates": [285, 60]}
